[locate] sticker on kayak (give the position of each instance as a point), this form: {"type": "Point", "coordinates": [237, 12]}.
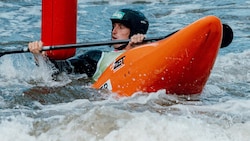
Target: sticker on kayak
{"type": "Point", "coordinates": [118, 64]}
{"type": "Point", "coordinates": [107, 85]}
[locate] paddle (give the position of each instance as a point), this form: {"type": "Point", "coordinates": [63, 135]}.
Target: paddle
{"type": "Point", "coordinates": [226, 40]}
{"type": "Point", "coordinates": [227, 36]}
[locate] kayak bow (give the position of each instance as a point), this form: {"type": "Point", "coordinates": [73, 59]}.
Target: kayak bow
{"type": "Point", "coordinates": [181, 63]}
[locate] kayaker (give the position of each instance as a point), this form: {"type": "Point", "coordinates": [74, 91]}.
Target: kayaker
{"type": "Point", "coordinates": [126, 24]}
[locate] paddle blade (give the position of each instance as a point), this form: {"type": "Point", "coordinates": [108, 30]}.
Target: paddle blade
{"type": "Point", "coordinates": [227, 37]}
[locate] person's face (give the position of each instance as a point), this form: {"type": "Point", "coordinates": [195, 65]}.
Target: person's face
{"type": "Point", "coordinates": [119, 32]}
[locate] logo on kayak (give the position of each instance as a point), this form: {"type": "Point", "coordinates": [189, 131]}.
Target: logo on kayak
{"type": "Point", "coordinates": [118, 64]}
{"type": "Point", "coordinates": [107, 85]}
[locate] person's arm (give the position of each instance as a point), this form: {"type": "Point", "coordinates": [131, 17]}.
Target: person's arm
{"type": "Point", "coordinates": [84, 63]}
{"type": "Point", "coordinates": [35, 48]}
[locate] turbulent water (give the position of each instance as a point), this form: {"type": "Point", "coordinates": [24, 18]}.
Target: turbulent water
{"type": "Point", "coordinates": [35, 107]}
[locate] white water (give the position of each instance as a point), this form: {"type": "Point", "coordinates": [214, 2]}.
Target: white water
{"type": "Point", "coordinates": [33, 107]}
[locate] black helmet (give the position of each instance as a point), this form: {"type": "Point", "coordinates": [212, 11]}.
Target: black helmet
{"type": "Point", "coordinates": [134, 20]}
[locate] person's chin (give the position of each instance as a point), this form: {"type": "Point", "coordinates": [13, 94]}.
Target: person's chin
{"type": "Point", "coordinates": [116, 46]}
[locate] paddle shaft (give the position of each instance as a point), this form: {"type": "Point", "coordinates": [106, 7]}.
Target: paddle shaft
{"type": "Point", "coordinates": [82, 45]}
{"type": "Point", "coordinates": [226, 40]}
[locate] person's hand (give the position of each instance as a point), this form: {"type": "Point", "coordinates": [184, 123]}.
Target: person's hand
{"type": "Point", "coordinates": [35, 47]}
{"type": "Point", "coordinates": [136, 40]}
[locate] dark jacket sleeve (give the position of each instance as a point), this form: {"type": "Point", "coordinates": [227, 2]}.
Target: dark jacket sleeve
{"type": "Point", "coordinates": [84, 63]}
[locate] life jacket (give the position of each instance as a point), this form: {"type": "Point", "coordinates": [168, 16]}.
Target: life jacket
{"type": "Point", "coordinates": [106, 59]}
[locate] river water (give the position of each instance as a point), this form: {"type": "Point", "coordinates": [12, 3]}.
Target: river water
{"type": "Point", "coordinates": [33, 107]}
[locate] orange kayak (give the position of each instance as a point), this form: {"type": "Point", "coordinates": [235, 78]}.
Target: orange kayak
{"type": "Point", "coordinates": [180, 64]}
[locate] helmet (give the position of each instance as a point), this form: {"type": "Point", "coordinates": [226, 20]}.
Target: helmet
{"type": "Point", "coordinates": [134, 20]}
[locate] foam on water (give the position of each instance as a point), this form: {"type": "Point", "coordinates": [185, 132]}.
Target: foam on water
{"type": "Point", "coordinates": [108, 120]}
{"type": "Point", "coordinates": [21, 69]}
{"type": "Point", "coordinates": [232, 67]}
{"type": "Point", "coordinates": [33, 107]}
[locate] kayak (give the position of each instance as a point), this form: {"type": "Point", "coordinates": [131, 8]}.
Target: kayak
{"type": "Point", "coordinates": [180, 64]}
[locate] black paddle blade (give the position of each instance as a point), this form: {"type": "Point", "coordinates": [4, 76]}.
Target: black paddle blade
{"type": "Point", "coordinates": [227, 37]}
